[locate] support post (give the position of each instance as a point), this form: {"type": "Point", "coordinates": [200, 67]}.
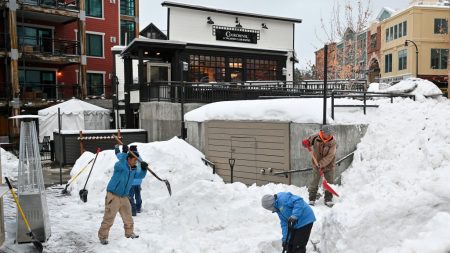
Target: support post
{"type": "Point", "coordinates": [83, 53]}
{"type": "Point", "coordinates": [325, 77]}
{"type": "Point", "coordinates": [128, 68]}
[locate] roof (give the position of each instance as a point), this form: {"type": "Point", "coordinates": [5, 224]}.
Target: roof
{"type": "Point", "coordinates": [246, 14]}
{"type": "Point", "coordinates": [72, 106]}
{"type": "Point", "coordinates": [153, 28]}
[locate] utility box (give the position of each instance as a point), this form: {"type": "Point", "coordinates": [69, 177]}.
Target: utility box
{"type": "Point", "coordinates": [31, 190]}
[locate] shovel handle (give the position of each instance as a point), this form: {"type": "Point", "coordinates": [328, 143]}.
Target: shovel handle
{"type": "Point", "coordinates": [18, 204]}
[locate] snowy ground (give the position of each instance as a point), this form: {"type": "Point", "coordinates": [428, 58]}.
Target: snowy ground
{"type": "Point", "coordinates": [395, 196]}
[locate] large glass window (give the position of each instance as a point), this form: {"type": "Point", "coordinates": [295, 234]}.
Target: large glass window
{"type": "Point", "coordinates": [388, 63]}
{"type": "Point", "coordinates": [405, 28]}
{"type": "Point", "coordinates": [206, 68]}
{"type": "Point", "coordinates": [236, 69]}
{"type": "Point", "coordinates": [373, 41]}
{"type": "Point", "coordinates": [94, 8]}
{"type": "Point", "coordinates": [261, 70]}
{"type": "Point", "coordinates": [127, 33]}
{"type": "Point", "coordinates": [94, 45]}
{"type": "Point", "coordinates": [94, 84]}
{"type": "Point", "coordinates": [37, 84]}
{"type": "Point", "coordinates": [402, 59]}
{"type": "Point", "coordinates": [387, 34]}
{"type": "Point", "coordinates": [127, 7]}
{"type": "Point", "coordinates": [439, 58]}
{"type": "Point", "coordinates": [33, 39]}
{"type": "Point", "coordinates": [440, 26]}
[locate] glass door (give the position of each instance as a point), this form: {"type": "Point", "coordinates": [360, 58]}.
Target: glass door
{"type": "Point", "coordinates": [158, 77]}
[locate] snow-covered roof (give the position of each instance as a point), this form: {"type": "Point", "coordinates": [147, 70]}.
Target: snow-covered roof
{"type": "Point", "coordinates": [72, 106]}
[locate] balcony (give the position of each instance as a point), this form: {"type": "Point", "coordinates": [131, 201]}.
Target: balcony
{"type": "Point", "coordinates": [39, 93]}
{"type": "Point", "coordinates": [48, 50]}
{"type": "Point", "coordinates": [55, 11]}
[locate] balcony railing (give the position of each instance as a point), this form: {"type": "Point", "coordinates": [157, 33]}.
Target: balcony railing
{"type": "Point", "coordinates": [49, 46]}
{"type": "Point", "coordinates": [58, 4]}
{"type": "Point", "coordinates": [38, 91]}
{"type": "Point", "coordinates": [213, 92]}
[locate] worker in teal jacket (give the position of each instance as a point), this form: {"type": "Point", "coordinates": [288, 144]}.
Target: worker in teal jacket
{"type": "Point", "coordinates": [135, 191]}
{"type": "Point", "coordinates": [296, 219]}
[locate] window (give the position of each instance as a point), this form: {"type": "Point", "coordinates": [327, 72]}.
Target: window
{"type": "Point", "coordinates": [127, 32]}
{"type": "Point", "coordinates": [388, 63]}
{"type": "Point", "coordinates": [440, 26]}
{"type": "Point", "coordinates": [391, 33]}
{"type": "Point", "coordinates": [94, 84]}
{"type": "Point", "coordinates": [400, 30]}
{"type": "Point", "coordinates": [373, 41]}
{"type": "Point", "coordinates": [94, 8]}
{"type": "Point", "coordinates": [439, 58]}
{"type": "Point", "coordinates": [387, 34]}
{"type": "Point", "coordinates": [395, 32]}
{"type": "Point", "coordinates": [206, 68]}
{"type": "Point", "coordinates": [402, 59]}
{"type": "Point", "coordinates": [37, 83]}
{"type": "Point", "coordinates": [127, 7]}
{"type": "Point", "coordinates": [35, 39]}
{"type": "Point", "coordinates": [94, 45]}
{"type": "Point", "coordinates": [404, 28]}
{"type": "Point", "coordinates": [261, 70]}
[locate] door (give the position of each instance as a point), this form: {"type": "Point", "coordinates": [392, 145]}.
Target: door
{"type": "Point", "coordinates": [158, 77]}
{"type": "Point", "coordinates": [38, 83]}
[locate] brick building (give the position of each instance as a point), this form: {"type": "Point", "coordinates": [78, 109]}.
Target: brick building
{"type": "Point", "coordinates": [55, 50]}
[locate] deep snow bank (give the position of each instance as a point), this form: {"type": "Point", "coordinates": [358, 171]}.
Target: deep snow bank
{"type": "Point", "coordinates": [10, 163]}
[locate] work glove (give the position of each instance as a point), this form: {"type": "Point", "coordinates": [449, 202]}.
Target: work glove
{"type": "Point", "coordinates": [133, 148]}
{"type": "Point", "coordinates": [284, 244]}
{"type": "Point", "coordinates": [125, 149]}
{"type": "Point", "coordinates": [305, 143]}
{"type": "Point", "coordinates": [144, 165]}
{"type": "Point", "coordinates": [292, 220]}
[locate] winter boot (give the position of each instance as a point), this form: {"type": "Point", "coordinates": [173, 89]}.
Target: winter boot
{"type": "Point", "coordinates": [312, 202]}
{"type": "Point", "coordinates": [132, 236]}
{"type": "Point", "coordinates": [329, 203]}
{"type": "Point", "coordinates": [104, 241]}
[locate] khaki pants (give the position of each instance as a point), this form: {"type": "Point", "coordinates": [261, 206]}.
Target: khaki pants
{"type": "Point", "coordinates": [314, 186]}
{"type": "Point", "coordinates": [114, 204]}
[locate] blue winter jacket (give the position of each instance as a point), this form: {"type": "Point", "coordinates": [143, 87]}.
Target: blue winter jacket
{"type": "Point", "coordinates": [288, 204]}
{"type": "Point", "coordinates": [140, 174]}
{"type": "Point", "coordinates": [123, 176]}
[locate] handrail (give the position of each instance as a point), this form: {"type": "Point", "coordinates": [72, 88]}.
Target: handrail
{"type": "Point", "coordinates": [338, 162]}
{"type": "Point", "coordinates": [210, 164]}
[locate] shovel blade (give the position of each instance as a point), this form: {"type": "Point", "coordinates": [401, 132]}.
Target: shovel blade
{"type": "Point", "coordinates": [168, 187]}
{"type": "Point", "coordinates": [37, 244]}
{"type": "Point", "coordinates": [83, 195]}
{"type": "Point", "coordinates": [327, 187]}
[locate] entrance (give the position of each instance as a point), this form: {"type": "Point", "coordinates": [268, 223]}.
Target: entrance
{"type": "Point", "coordinates": [374, 71]}
{"type": "Point", "coordinates": [158, 78]}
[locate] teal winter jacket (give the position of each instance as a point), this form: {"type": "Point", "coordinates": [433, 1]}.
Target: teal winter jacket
{"type": "Point", "coordinates": [123, 176]}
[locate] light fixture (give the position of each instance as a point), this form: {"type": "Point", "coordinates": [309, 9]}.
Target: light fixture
{"type": "Point", "coordinates": [210, 21]}
{"type": "Point", "coordinates": [264, 26]}
{"type": "Point", "coordinates": [158, 53]}
{"type": "Point", "coordinates": [238, 24]}
{"type": "Point", "coordinates": [145, 52]}
{"type": "Point", "coordinates": [59, 73]}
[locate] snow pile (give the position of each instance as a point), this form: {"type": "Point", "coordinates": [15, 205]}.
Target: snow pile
{"type": "Point", "coordinates": [203, 214]}
{"type": "Point", "coordinates": [415, 86]}
{"type": "Point", "coordinates": [376, 87]}
{"type": "Point", "coordinates": [396, 195]}
{"type": "Point", "coordinates": [10, 163]}
{"type": "Point", "coordinates": [290, 110]}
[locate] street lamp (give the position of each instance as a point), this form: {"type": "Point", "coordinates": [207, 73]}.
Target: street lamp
{"type": "Point", "coordinates": [417, 55]}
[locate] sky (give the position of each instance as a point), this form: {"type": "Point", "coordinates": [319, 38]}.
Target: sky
{"type": "Point", "coordinates": [394, 197]}
{"type": "Point", "coordinates": [307, 34]}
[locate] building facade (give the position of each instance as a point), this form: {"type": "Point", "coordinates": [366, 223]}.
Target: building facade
{"type": "Point", "coordinates": [208, 46]}
{"type": "Point", "coordinates": [56, 50]}
{"type": "Point", "coordinates": [415, 43]}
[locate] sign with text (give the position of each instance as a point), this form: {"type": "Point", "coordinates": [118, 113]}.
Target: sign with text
{"type": "Point", "coordinates": [236, 35]}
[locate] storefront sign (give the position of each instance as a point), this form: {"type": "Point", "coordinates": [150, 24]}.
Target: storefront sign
{"type": "Point", "coordinates": [236, 36]}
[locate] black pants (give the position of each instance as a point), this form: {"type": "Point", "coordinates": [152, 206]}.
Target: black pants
{"type": "Point", "coordinates": [300, 238]}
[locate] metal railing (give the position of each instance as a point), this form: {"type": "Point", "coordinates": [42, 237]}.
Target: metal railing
{"type": "Point", "coordinates": [210, 164]}
{"type": "Point", "coordinates": [214, 92]}
{"type": "Point", "coordinates": [58, 4]}
{"type": "Point", "coordinates": [37, 91]}
{"type": "Point", "coordinates": [364, 96]}
{"type": "Point", "coordinates": [50, 46]}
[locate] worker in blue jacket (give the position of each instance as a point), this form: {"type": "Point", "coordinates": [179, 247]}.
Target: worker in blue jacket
{"type": "Point", "coordinates": [135, 191]}
{"type": "Point", "coordinates": [117, 196]}
{"type": "Point", "coordinates": [296, 219]}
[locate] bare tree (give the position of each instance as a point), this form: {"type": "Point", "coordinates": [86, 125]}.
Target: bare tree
{"type": "Point", "coordinates": [348, 20]}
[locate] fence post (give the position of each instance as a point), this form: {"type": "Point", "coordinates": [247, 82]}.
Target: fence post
{"type": "Point", "coordinates": [365, 102]}
{"type": "Point", "coordinates": [392, 98]}
{"type": "Point", "coordinates": [332, 104]}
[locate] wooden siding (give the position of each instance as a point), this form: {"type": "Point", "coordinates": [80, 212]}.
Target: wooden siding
{"type": "Point", "coordinates": [255, 146]}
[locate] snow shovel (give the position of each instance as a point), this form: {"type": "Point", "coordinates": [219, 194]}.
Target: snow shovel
{"type": "Point", "coordinates": [35, 241]}
{"type": "Point", "coordinates": [148, 168]}
{"type": "Point", "coordinates": [64, 191]}
{"type": "Point", "coordinates": [325, 184]}
{"type": "Point", "coordinates": [84, 192]}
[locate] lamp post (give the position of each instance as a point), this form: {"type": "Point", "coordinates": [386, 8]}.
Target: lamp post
{"type": "Point", "coordinates": [417, 55]}
{"type": "Point", "coordinates": [183, 67]}
{"type": "Point", "coordinates": [231, 162]}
